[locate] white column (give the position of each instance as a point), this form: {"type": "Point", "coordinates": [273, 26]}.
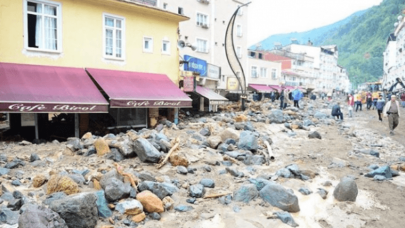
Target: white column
{"type": "Point", "coordinates": [36, 125]}
{"type": "Point", "coordinates": [77, 125]}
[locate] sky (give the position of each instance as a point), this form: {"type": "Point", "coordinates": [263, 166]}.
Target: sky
{"type": "Point", "coordinates": [269, 17]}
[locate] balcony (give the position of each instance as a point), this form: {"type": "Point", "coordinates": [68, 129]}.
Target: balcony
{"type": "Point", "coordinates": [146, 2]}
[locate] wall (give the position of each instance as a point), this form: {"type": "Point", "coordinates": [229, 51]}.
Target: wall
{"type": "Point", "coordinates": [263, 64]}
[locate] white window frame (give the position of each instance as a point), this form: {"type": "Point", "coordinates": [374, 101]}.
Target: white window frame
{"type": "Point", "coordinates": [239, 52]}
{"type": "Point", "coordinates": [167, 42]}
{"type": "Point", "coordinates": [113, 57]}
{"type": "Point", "coordinates": [251, 72]}
{"type": "Point", "coordinates": [198, 47]}
{"type": "Point", "coordinates": [150, 49]}
{"type": "Point", "coordinates": [201, 24]}
{"type": "Point", "coordinates": [274, 76]}
{"type": "Point", "coordinates": [239, 30]}
{"type": "Point", "coordinates": [58, 24]}
{"type": "Point", "coordinates": [263, 69]}
{"type": "Point", "coordinates": [240, 12]}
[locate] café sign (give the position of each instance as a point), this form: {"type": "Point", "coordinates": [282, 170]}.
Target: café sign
{"type": "Point", "coordinates": [46, 108]}
{"type": "Point", "coordinates": [149, 104]}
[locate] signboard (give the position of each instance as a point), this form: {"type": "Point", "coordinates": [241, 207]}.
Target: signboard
{"type": "Point", "coordinates": [214, 72]}
{"type": "Point", "coordinates": [58, 108]}
{"type": "Point", "coordinates": [188, 84]}
{"type": "Point", "coordinates": [232, 84]}
{"type": "Point", "coordinates": [196, 65]}
{"type": "Point", "coordinates": [149, 104]}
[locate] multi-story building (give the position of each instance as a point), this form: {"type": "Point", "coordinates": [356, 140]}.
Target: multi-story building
{"type": "Point", "coordinates": [263, 76]}
{"type": "Point", "coordinates": [206, 32]}
{"type": "Point", "coordinates": [390, 62]}
{"type": "Point", "coordinates": [109, 64]}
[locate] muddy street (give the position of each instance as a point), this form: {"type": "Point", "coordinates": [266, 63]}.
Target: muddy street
{"type": "Point", "coordinates": [259, 168]}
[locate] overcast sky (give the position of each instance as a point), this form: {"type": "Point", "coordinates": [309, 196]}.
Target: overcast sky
{"type": "Point", "coordinates": [269, 17]}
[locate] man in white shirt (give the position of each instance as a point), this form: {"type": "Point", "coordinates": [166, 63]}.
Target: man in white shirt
{"type": "Point", "coordinates": [391, 110]}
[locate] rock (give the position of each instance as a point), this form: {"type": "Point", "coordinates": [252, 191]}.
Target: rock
{"type": "Point", "coordinates": [8, 216]}
{"type": "Point", "coordinates": [234, 172]}
{"type": "Point", "coordinates": [249, 126]}
{"type": "Point", "coordinates": [34, 157]}
{"type": "Point", "coordinates": [16, 182]}
{"type": "Point", "coordinates": [145, 151]}
{"type": "Point", "coordinates": [280, 197]}
{"type": "Point", "coordinates": [208, 183]}
{"type": "Point", "coordinates": [64, 184]}
{"type": "Point", "coordinates": [196, 191]}
{"type": "Point", "coordinates": [248, 141]}
{"type": "Point", "coordinates": [18, 195]}
{"type": "Point", "coordinates": [246, 193]}
{"type": "Point", "coordinates": [106, 178]}
{"type": "Point", "coordinates": [373, 167]}
{"type": "Point", "coordinates": [102, 147]}
{"type": "Point", "coordinates": [139, 217]}
{"type": "Point", "coordinates": [305, 191]}
{"type": "Point", "coordinates": [225, 200]}
{"type": "Point", "coordinates": [183, 208]}
{"type": "Point", "coordinates": [307, 123]}
{"type": "Point", "coordinates": [214, 141]}
{"type": "Point", "coordinates": [79, 211]}
{"type": "Point", "coordinates": [88, 135]}
{"type": "Point", "coordinates": [115, 155]}
{"type": "Point", "coordinates": [205, 132]}
{"type": "Point", "coordinates": [259, 183]}
{"type": "Point", "coordinates": [79, 179]}
{"type": "Point", "coordinates": [4, 171]}
{"type": "Point", "coordinates": [177, 160]}
{"type": "Point", "coordinates": [161, 190]}
{"type": "Point", "coordinates": [168, 203]}
{"type": "Point", "coordinates": [53, 197]}
{"type": "Point", "coordinates": [314, 135]}
{"type": "Point", "coordinates": [379, 178]}
{"type": "Point", "coordinates": [102, 205]}
{"type": "Point", "coordinates": [150, 202]}
{"type": "Point", "coordinates": [286, 218]}
{"type": "Point", "coordinates": [12, 165]}
{"type": "Point", "coordinates": [15, 204]}
{"type": "Point", "coordinates": [346, 190]}
{"type": "Point", "coordinates": [116, 190]}
{"type": "Point", "coordinates": [284, 172]}
{"type": "Point", "coordinates": [39, 180]}
{"type": "Point", "coordinates": [155, 216]}
{"type": "Point", "coordinates": [383, 171]}
{"type": "Point", "coordinates": [327, 183]}
{"type": "Point", "coordinates": [182, 170]}
{"type": "Point", "coordinates": [198, 137]}
{"type": "Point", "coordinates": [320, 115]}
{"type": "Point", "coordinates": [374, 153]}
{"type": "Point", "coordinates": [276, 116]}
{"type": "Point", "coordinates": [192, 200]}
{"type": "Point", "coordinates": [35, 216]}
{"type": "Point", "coordinates": [129, 207]}
{"type": "Point", "coordinates": [322, 192]}
{"type": "Point", "coordinates": [229, 133]}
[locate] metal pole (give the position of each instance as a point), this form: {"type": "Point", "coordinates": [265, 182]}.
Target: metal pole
{"type": "Point", "coordinates": [76, 125]}
{"type": "Point", "coordinates": [36, 125]}
{"type": "Point", "coordinates": [176, 116]}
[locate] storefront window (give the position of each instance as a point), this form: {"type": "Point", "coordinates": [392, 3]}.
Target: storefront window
{"type": "Point", "coordinates": [135, 117]}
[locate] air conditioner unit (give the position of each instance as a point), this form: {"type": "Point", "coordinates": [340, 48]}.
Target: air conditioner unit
{"type": "Point", "coordinates": [202, 81]}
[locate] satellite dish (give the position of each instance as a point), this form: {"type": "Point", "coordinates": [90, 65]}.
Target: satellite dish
{"type": "Point", "coordinates": [181, 44]}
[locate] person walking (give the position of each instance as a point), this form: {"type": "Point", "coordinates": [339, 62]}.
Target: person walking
{"type": "Point", "coordinates": [350, 103]}
{"type": "Point", "coordinates": [282, 98]}
{"type": "Point", "coordinates": [297, 95]}
{"type": "Point", "coordinates": [375, 99]}
{"type": "Point", "coordinates": [403, 100]}
{"type": "Point", "coordinates": [369, 100]}
{"type": "Point", "coordinates": [391, 109]}
{"type": "Point", "coordinates": [336, 111]}
{"type": "Point", "coordinates": [380, 106]}
{"type": "Point", "coordinates": [358, 102]}
{"type": "Point", "coordinates": [287, 99]}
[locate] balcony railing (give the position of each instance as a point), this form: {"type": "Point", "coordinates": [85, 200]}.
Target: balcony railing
{"type": "Point", "coordinates": [146, 2]}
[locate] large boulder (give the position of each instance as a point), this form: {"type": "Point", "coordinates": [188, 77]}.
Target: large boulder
{"type": "Point", "coordinates": [246, 193]}
{"type": "Point", "coordinates": [102, 205]}
{"type": "Point", "coordinates": [280, 197]}
{"type": "Point", "coordinates": [146, 151]}
{"type": "Point", "coordinates": [150, 202]}
{"type": "Point", "coordinates": [106, 178]}
{"type": "Point", "coordinates": [78, 211]}
{"type": "Point", "coordinates": [64, 184]}
{"type": "Point", "coordinates": [214, 141]}
{"type": "Point", "coordinates": [382, 171]}
{"type": "Point", "coordinates": [8, 216]}
{"type": "Point", "coordinates": [248, 141]}
{"type": "Point", "coordinates": [229, 133]}
{"type": "Point", "coordinates": [35, 216]}
{"type": "Point", "coordinates": [276, 116]}
{"type": "Point", "coordinates": [102, 147]}
{"type": "Point", "coordinates": [116, 190]}
{"type": "Point", "coordinates": [346, 190]}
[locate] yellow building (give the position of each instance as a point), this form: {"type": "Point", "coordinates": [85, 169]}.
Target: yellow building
{"type": "Point", "coordinates": [121, 36]}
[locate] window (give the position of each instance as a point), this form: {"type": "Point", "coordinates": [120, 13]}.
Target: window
{"type": "Point", "coordinates": [148, 44]}
{"type": "Point", "coordinates": [239, 30]}
{"type": "Point", "coordinates": [240, 12]}
{"type": "Point", "coordinates": [114, 36]}
{"type": "Point", "coordinates": [202, 46]}
{"type": "Point", "coordinates": [123, 117]}
{"type": "Point", "coordinates": [164, 5]}
{"type": "Point", "coordinates": [260, 56]}
{"type": "Point", "coordinates": [254, 72]}
{"type": "Point", "coordinates": [274, 74]}
{"type": "Point", "coordinates": [252, 54]}
{"type": "Point", "coordinates": [202, 20]}
{"type": "Point", "coordinates": [166, 47]}
{"type": "Point", "coordinates": [180, 11]}
{"type": "Point", "coordinates": [263, 72]}
{"type": "Point", "coordinates": [238, 52]}
{"type": "Point", "coordinates": [43, 25]}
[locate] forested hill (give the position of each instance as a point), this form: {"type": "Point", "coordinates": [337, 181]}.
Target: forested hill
{"type": "Point", "coordinates": [361, 40]}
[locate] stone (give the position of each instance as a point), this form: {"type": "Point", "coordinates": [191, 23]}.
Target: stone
{"type": "Point", "coordinates": [161, 190]}
{"type": "Point", "coordinates": [373, 167]}
{"type": "Point", "coordinates": [177, 160]}
{"type": "Point", "coordinates": [168, 203]}
{"type": "Point", "coordinates": [182, 170]}
{"type": "Point", "coordinates": [129, 207]}
{"type": "Point", "coordinates": [4, 171]}
{"type": "Point", "coordinates": [12, 165]}
{"type": "Point", "coordinates": [379, 178]}
{"type": "Point", "coordinates": [280, 197]}
{"type": "Point", "coordinates": [146, 151]}
{"type": "Point", "coordinates": [35, 216]}
{"type": "Point", "coordinates": [286, 218]}
{"type": "Point", "coordinates": [16, 182]}
{"type": "Point", "coordinates": [106, 178]}
{"type": "Point", "coordinates": [320, 115]}
{"type": "Point", "coordinates": [322, 192]}
{"type": "Point", "coordinates": [146, 176]}
{"type": "Point", "coordinates": [79, 210]}
{"type": "Point", "coordinates": [305, 191]}
{"type": "Point", "coordinates": [139, 217]}
{"type": "Point", "coordinates": [374, 153]}
{"type": "Point", "coordinates": [64, 184]}
{"type": "Point", "coordinates": [15, 204]}
{"type": "Point", "coordinates": [8, 216]}
{"type": "Point", "coordinates": [208, 183]}
{"type": "Point", "coordinates": [88, 135]}
{"type": "Point", "coordinates": [34, 157]}
{"type": "Point", "coordinates": [150, 202]}
{"type": "Point", "coordinates": [155, 216]}
{"type": "Point", "coordinates": [383, 171]}
{"type": "Point", "coordinates": [198, 137]}
{"type": "Point", "coordinates": [259, 183]}
{"type": "Point", "coordinates": [228, 134]}
{"type": "Point", "coordinates": [276, 116]}
{"type": "Point", "coordinates": [79, 179]}
{"type": "Point", "coordinates": [314, 135]}
{"type": "Point", "coordinates": [214, 141]}
{"type": "Point", "coordinates": [18, 195]}
{"type": "Point", "coordinates": [346, 190]}
{"type": "Point", "coordinates": [205, 132]}
{"type": "Point", "coordinates": [102, 205]}
{"type": "Point", "coordinates": [307, 123]}
{"type": "Point", "coordinates": [102, 147]}
{"type": "Point", "coordinates": [284, 172]}
{"type": "Point", "coordinates": [74, 143]}
{"type": "Point", "coordinates": [53, 197]}
{"type": "Point", "coordinates": [248, 141]}
{"type": "Point", "coordinates": [191, 200]}
{"type": "Point", "coordinates": [327, 183]}
{"type": "Point", "coordinates": [183, 208]}
{"type": "Point", "coordinates": [196, 191]}
{"type": "Point", "coordinates": [246, 193]}
{"type": "Point", "coordinates": [115, 155]}
{"type": "Point", "coordinates": [116, 190]}
{"type": "Point", "coordinates": [234, 172]}
{"type": "Point", "coordinates": [7, 196]}
{"type": "Point", "coordinates": [225, 200]}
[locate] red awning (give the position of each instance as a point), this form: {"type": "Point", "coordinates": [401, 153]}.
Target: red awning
{"type": "Point", "coordinates": [43, 89]}
{"type": "Point", "coordinates": [261, 88]}
{"type": "Point", "coordinates": [213, 97]}
{"type": "Point", "coordinates": [276, 87]}
{"type": "Point", "coordinates": [139, 90]}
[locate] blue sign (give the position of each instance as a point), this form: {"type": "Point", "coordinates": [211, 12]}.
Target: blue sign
{"type": "Point", "coordinates": [196, 65]}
